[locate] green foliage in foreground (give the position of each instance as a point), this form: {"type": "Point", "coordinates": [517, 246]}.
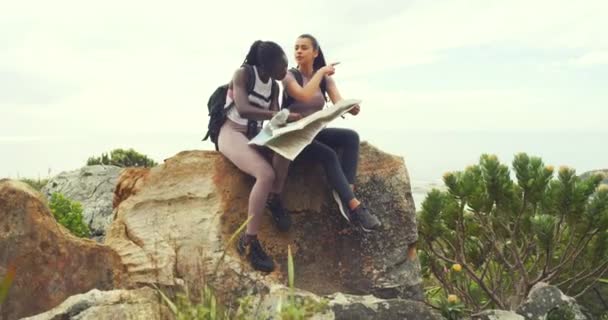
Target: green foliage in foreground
{"type": "Point", "coordinates": [69, 214]}
{"type": "Point", "coordinates": [506, 235]}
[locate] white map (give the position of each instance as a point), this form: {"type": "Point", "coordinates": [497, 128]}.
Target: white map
{"type": "Point", "coordinates": [290, 139]}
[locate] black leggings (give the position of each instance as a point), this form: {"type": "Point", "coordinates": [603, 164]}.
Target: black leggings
{"type": "Point", "coordinates": [340, 172]}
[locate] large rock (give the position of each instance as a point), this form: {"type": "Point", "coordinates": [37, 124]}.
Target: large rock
{"type": "Point", "coordinates": [350, 307]}
{"type": "Point", "coordinates": [51, 264]}
{"type": "Point", "coordinates": [498, 315]}
{"type": "Point", "coordinates": [173, 222]}
{"type": "Point", "coordinates": [93, 187]}
{"type": "Point", "coordinates": [543, 298]}
{"type": "Point", "coordinates": [140, 304]}
{"type": "Point", "coordinates": [344, 306]}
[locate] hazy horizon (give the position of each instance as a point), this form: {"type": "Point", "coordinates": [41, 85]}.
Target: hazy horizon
{"type": "Point", "coordinates": [426, 155]}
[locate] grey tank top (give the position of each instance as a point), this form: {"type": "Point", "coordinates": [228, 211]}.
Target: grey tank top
{"type": "Point", "coordinates": [306, 108]}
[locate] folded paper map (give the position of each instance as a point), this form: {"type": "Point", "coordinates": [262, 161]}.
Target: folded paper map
{"type": "Point", "coordinates": [290, 139]}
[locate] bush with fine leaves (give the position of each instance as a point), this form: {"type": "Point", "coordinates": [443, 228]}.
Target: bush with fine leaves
{"type": "Point", "coordinates": [507, 235]}
{"type": "Point", "coordinates": [69, 214]}
{"type": "Point", "coordinates": [122, 158]}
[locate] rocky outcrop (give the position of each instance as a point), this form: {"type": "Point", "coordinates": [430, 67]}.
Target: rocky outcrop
{"type": "Point", "coordinates": [544, 298]}
{"type": "Point", "coordinates": [498, 315]}
{"type": "Point", "coordinates": [347, 307]}
{"type": "Point", "coordinates": [93, 187]}
{"type": "Point", "coordinates": [50, 263]}
{"type": "Point", "coordinates": [140, 304]}
{"type": "Point", "coordinates": [350, 307]}
{"type": "Point", "coordinates": [173, 223]}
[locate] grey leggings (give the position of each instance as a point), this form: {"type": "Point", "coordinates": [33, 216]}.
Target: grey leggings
{"type": "Point", "coordinates": [340, 171]}
{"type": "Point", "coordinates": [233, 144]}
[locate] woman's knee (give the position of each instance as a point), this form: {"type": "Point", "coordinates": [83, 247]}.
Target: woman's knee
{"type": "Point", "coordinates": [265, 174]}
{"type": "Point", "coordinates": [329, 157]}
{"type": "Point", "coordinates": [352, 138]}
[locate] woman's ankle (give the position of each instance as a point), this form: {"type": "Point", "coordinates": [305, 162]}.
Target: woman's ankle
{"type": "Point", "coordinates": [354, 203]}
{"type": "Point", "coordinates": [250, 238]}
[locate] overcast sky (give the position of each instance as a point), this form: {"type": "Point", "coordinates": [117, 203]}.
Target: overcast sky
{"type": "Point", "coordinates": [82, 68]}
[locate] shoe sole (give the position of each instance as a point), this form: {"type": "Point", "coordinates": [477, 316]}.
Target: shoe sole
{"type": "Point", "coordinates": [340, 205]}
{"type": "Point", "coordinates": [364, 229]}
{"type": "Point", "coordinates": [239, 248]}
{"type": "Point", "coordinates": [358, 224]}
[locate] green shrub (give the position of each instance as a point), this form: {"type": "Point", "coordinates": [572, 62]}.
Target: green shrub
{"type": "Point", "coordinates": [37, 184]}
{"type": "Point", "coordinates": [184, 307]}
{"type": "Point", "coordinates": [507, 235]}
{"type": "Point", "coordinates": [122, 158]}
{"type": "Point", "coordinates": [69, 214]}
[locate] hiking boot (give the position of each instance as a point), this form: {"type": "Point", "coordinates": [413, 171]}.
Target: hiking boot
{"type": "Point", "coordinates": [280, 216]}
{"type": "Point", "coordinates": [255, 253]}
{"type": "Point", "coordinates": [341, 205]}
{"type": "Point", "coordinates": [361, 217]}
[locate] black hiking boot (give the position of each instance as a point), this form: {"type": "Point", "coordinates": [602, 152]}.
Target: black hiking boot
{"type": "Point", "coordinates": [361, 217]}
{"type": "Point", "coordinates": [255, 254]}
{"type": "Point", "coordinates": [280, 216]}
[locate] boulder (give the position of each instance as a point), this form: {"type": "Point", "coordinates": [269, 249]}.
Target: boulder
{"type": "Point", "coordinates": [49, 262]}
{"type": "Point", "coordinates": [341, 306]}
{"type": "Point", "coordinates": [140, 304]}
{"type": "Point", "coordinates": [544, 298]}
{"type": "Point", "coordinates": [498, 315]}
{"type": "Point", "coordinates": [92, 186]}
{"type": "Point", "coordinates": [173, 224]}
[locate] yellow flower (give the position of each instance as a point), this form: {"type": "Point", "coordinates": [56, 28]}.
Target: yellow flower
{"type": "Point", "coordinates": [456, 267]}
{"type": "Point", "coordinates": [549, 168]}
{"type": "Point", "coordinates": [452, 298]}
{"type": "Point", "coordinates": [602, 187]}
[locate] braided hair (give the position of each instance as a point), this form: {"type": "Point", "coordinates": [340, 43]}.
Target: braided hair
{"type": "Point", "coordinates": [264, 54]}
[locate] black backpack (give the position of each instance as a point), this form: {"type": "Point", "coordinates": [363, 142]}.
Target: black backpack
{"type": "Point", "coordinates": [288, 100]}
{"type": "Point", "coordinates": [218, 110]}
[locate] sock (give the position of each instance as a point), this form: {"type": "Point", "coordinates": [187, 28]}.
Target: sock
{"type": "Point", "coordinates": [273, 197]}
{"type": "Point", "coordinates": [250, 237]}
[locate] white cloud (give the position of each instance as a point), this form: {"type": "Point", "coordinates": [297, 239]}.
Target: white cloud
{"type": "Point", "coordinates": [425, 30]}
{"type": "Point", "coordinates": [15, 139]}
{"type": "Point", "coordinates": [138, 66]}
{"type": "Point", "coordinates": [592, 58]}
{"type": "Point", "coordinates": [82, 77]}
{"type": "Point", "coordinates": [469, 110]}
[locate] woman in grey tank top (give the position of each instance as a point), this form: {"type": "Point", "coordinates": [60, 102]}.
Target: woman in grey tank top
{"type": "Point", "coordinates": [308, 97]}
